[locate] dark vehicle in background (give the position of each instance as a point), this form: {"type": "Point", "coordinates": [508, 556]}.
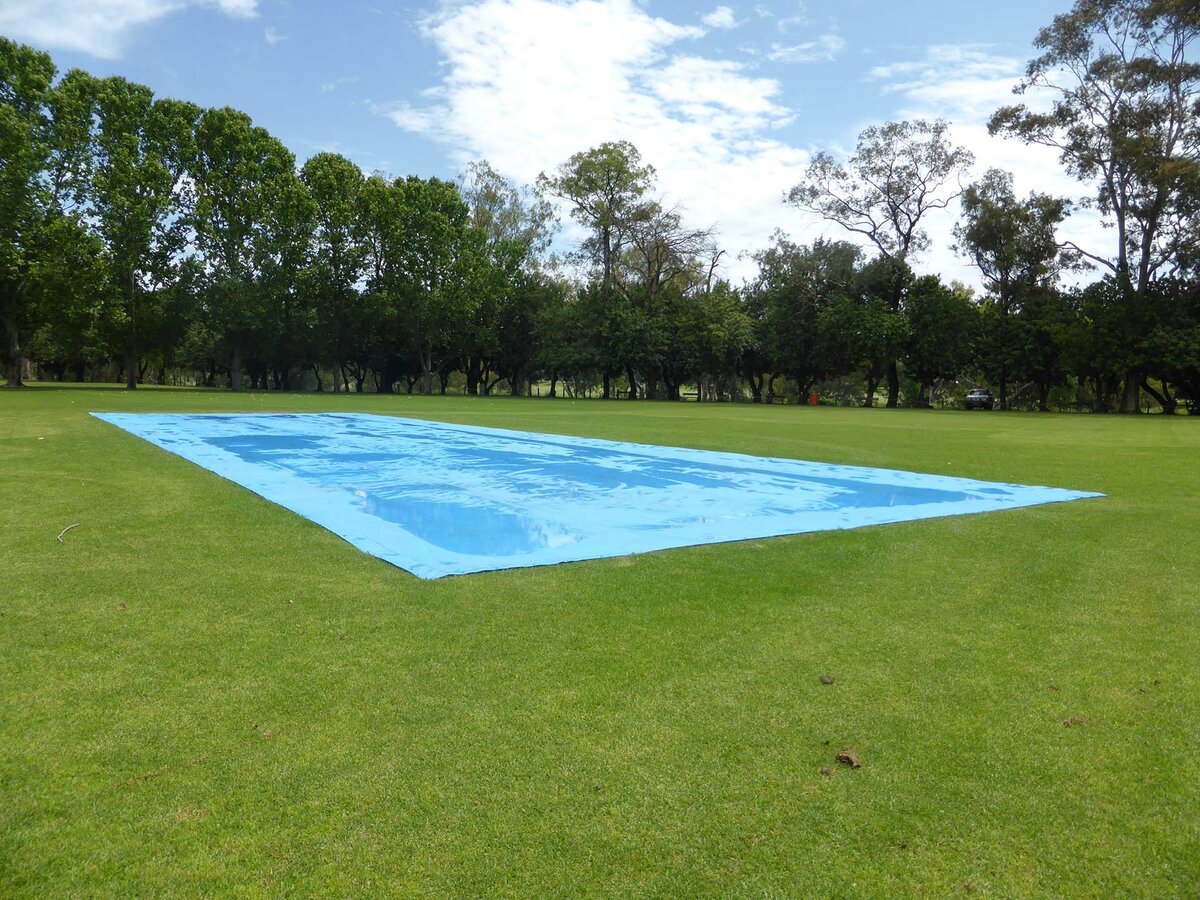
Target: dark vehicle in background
{"type": "Point", "coordinates": [979, 398]}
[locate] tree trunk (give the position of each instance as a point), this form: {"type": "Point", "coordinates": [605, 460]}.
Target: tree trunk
{"type": "Point", "coordinates": [235, 368]}
{"type": "Point", "coordinates": [1043, 396]}
{"type": "Point", "coordinates": [893, 380]}
{"type": "Point", "coordinates": [12, 359]}
{"type": "Point", "coordinates": [1168, 403]}
{"type": "Point", "coordinates": [756, 386]}
{"type": "Point", "coordinates": [1131, 397]}
{"type": "Point", "coordinates": [474, 371]}
{"type": "Point", "coordinates": [872, 385]}
{"type": "Point", "coordinates": [651, 384]}
{"type": "Point", "coordinates": [426, 357]}
{"type": "Point", "coordinates": [1003, 392]}
{"type": "Point", "coordinates": [633, 385]}
{"type": "Point", "coordinates": [553, 385]}
{"type": "Point", "coordinates": [607, 387]}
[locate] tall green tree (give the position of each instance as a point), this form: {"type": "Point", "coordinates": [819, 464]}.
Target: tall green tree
{"type": "Point", "coordinates": [445, 263]}
{"type": "Point", "coordinates": [426, 268]}
{"type": "Point", "coordinates": [1044, 319]}
{"type": "Point", "coordinates": [563, 350]}
{"type": "Point", "coordinates": [517, 224]}
{"type": "Point", "coordinates": [717, 331]}
{"type": "Point", "coordinates": [1126, 119]}
{"type": "Point", "coordinates": [240, 177]}
{"type": "Point", "coordinates": [26, 80]}
{"type": "Point", "coordinates": [897, 175]}
{"type": "Point", "coordinates": [138, 152]}
{"type": "Point", "coordinates": [1172, 345]}
{"type": "Point", "coordinates": [285, 261]}
{"type": "Point", "coordinates": [69, 288]}
{"type": "Point", "coordinates": [608, 189]}
{"type": "Point", "coordinates": [664, 270]}
{"type": "Point", "coordinates": [335, 185]}
{"type": "Point", "coordinates": [795, 284]}
{"type": "Point", "coordinates": [1013, 243]}
{"type": "Point", "coordinates": [942, 322]}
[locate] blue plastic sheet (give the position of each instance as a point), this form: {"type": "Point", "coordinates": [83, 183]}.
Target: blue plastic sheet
{"type": "Point", "coordinates": [440, 499]}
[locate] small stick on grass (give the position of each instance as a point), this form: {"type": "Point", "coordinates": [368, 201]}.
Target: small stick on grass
{"type": "Point", "coordinates": [64, 531]}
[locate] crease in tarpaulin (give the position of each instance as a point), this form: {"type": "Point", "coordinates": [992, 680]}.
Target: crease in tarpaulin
{"type": "Point", "coordinates": [441, 499]}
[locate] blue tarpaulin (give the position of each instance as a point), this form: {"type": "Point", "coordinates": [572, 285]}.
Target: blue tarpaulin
{"type": "Point", "coordinates": [440, 499]}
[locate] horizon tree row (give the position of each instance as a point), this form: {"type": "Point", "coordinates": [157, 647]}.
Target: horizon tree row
{"type": "Point", "coordinates": [141, 236]}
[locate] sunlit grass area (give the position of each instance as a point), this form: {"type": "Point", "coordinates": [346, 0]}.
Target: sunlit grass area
{"type": "Point", "coordinates": [201, 692]}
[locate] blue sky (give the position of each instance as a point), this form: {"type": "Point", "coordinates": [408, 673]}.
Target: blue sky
{"type": "Point", "coordinates": [727, 99]}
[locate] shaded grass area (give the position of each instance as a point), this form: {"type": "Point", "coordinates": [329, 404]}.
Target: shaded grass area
{"type": "Point", "coordinates": [201, 692]}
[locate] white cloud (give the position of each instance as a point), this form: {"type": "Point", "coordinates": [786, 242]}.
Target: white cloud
{"type": "Point", "coordinates": [824, 48]}
{"type": "Point", "coordinates": [273, 36]}
{"type": "Point", "coordinates": [329, 87]}
{"type": "Point", "coordinates": [239, 9]}
{"type": "Point", "coordinates": [607, 70]}
{"type": "Point", "coordinates": [721, 17]}
{"type": "Point", "coordinates": [798, 18]}
{"type": "Point", "coordinates": [97, 27]}
{"type": "Point", "coordinates": [965, 84]}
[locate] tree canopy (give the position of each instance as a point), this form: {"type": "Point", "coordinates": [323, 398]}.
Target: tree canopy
{"type": "Point", "coordinates": [147, 239]}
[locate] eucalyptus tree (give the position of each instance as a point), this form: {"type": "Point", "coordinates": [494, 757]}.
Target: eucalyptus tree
{"type": "Point", "coordinates": [1013, 243]}
{"type": "Point", "coordinates": [26, 84]}
{"type": "Point", "coordinates": [1125, 117]}
{"type": "Point", "coordinates": [240, 176]}
{"type": "Point", "coordinates": [517, 224]}
{"type": "Point", "coordinates": [665, 267]}
{"type": "Point", "coordinates": [899, 173]}
{"type": "Point", "coordinates": [505, 212]}
{"type": "Point", "coordinates": [639, 251]}
{"type": "Point", "coordinates": [606, 188]}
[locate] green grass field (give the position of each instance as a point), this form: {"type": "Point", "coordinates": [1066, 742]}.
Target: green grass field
{"type": "Point", "coordinates": [201, 692]}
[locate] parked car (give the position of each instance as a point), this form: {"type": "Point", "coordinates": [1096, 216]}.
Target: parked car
{"type": "Point", "coordinates": [979, 398]}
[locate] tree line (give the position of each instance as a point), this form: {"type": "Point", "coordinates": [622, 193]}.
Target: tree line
{"type": "Point", "coordinates": [149, 239]}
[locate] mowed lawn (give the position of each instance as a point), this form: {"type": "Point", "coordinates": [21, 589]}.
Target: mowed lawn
{"type": "Point", "coordinates": [201, 692]}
